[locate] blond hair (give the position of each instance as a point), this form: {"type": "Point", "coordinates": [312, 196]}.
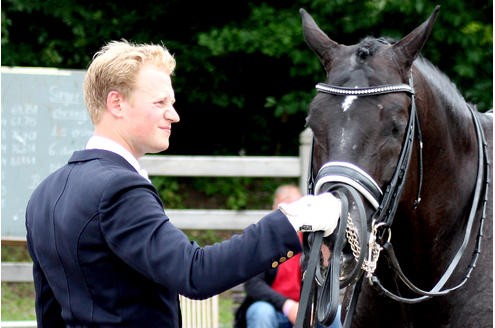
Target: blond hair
{"type": "Point", "coordinates": [115, 67]}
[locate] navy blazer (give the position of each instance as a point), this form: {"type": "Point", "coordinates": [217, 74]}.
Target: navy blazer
{"type": "Point", "coordinates": [105, 253]}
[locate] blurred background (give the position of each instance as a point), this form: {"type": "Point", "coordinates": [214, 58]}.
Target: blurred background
{"type": "Point", "coordinates": [244, 76]}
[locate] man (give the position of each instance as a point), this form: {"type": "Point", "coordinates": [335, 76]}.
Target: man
{"type": "Point", "coordinates": [104, 252]}
{"type": "Point", "coordinates": [272, 297]}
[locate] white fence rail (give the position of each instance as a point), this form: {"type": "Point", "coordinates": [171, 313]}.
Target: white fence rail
{"type": "Point", "coordinates": [234, 166]}
{"type": "Point", "coordinates": [19, 324]}
{"type": "Point", "coordinates": [17, 271]}
{"type": "Point", "coordinates": [222, 166]}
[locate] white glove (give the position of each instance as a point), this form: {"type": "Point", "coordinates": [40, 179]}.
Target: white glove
{"type": "Point", "coordinates": [313, 213]}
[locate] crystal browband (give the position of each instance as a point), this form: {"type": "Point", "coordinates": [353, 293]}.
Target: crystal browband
{"type": "Point", "coordinates": [368, 91]}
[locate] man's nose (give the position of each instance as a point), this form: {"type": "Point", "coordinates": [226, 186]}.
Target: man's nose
{"type": "Point", "coordinates": [172, 115]}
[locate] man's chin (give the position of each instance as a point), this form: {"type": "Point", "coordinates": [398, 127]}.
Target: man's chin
{"type": "Point", "coordinates": [159, 149]}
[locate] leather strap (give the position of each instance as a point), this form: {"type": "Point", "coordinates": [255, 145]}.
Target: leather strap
{"type": "Point", "coordinates": [304, 312]}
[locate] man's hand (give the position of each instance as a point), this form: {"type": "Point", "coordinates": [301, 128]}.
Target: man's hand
{"type": "Point", "coordinates": [290, 308]}
{"type": "Point", "coordinates": [313, 213]}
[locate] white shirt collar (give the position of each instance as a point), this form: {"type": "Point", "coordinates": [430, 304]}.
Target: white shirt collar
{"type": "Point", "coordinates": [98, 142]}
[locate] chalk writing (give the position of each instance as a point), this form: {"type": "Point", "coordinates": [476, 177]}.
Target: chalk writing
{"type": "Point", "coordinates": [64, 97]}
{"type": "Point", "coordinates": [43, 122]}
{"type": "Point", "coordinates": [22, 160]}
{"type": "Point", "coordinates": [66, 114]}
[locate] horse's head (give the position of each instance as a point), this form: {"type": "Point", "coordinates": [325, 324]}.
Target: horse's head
{"type": "Point", "coordinates": [366, 130]}
{"type": "Point", "coordinates": [368, 150]}
{"type": "Point", "coordinates": [362, 119]}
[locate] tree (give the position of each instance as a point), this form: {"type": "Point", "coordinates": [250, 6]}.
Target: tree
{"type": "Point", "coordinates": [245, 78]}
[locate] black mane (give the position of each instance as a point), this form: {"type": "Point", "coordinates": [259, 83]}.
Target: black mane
{"type": "Point", "coordinates": [441, 83]}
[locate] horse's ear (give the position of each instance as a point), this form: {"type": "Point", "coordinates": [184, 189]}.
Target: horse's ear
{"type": "Point", "coordinates": [409, 47]}
{"type": "Point", "coordinates": [317, 40]}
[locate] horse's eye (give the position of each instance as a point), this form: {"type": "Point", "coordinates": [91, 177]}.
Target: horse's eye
{"type": "Point", "coordinates": [397, 129]}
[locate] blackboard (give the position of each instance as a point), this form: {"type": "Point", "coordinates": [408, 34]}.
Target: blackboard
{"type": "Point", "coordinates": [44, 120]}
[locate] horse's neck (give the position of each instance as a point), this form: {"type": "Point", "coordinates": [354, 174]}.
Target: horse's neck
{"type": "Point", "coordinates": [449, 155]}
{"type": "Point", "coordinates": [449, 137]}
{"type": "Point", "coordinates": [427, 237]}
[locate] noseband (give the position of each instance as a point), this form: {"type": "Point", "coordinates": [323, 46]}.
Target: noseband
{"type": "Point", "coordinates": [352, 184]}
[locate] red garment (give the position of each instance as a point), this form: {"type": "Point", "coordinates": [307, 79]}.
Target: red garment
{"type": "Point", "coordinates": [288, 279]}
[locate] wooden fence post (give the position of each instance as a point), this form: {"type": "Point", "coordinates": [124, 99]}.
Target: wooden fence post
{"type": "Point", "coordinates": [305, 142]}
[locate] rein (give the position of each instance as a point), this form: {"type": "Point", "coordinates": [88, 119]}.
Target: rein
{"type": "Point", "coordinates": [483, 169]}
{"type": "Point", "coordinates": [349, 183]}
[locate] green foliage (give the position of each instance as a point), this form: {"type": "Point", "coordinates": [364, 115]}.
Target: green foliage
{"type": "Point", "coordinates": [15, 254]}
{"type": "Point", "coordinates": [226, 315]}
{"type": "Point", "coordinates": [245, 78]}
{"type": "Point", "coordinates": [168, 187]}
{"type": "Point", "coordinates": [267, 30]}
{"type": "Point", "coordinates": [234, 190]}
{"type": "Point", "coordinates": [236, 193]}
{"type": "Point", "coordinates": [18, 301]}
{"type": "Point", "coordinates": [275, 32]}
{"type": "Point", "coordinates": [208, 237]}
{"type": "Point", "coordinates": [17, 298]}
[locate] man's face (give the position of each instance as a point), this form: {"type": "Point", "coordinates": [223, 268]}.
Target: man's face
{"type": "Point", "coordinates": [149, 113]}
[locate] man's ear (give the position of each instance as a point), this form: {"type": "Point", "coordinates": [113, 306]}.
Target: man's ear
{"type": "Point", "coordinates": [114, 103]}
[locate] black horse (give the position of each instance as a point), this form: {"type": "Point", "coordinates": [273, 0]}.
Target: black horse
{"type": "Point", "coordinates": [396, 140]}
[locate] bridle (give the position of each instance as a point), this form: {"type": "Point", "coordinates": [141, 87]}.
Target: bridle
{"type": "Point", "coordinates": [351, 185]}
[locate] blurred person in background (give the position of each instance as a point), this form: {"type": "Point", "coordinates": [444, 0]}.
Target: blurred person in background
{"type": "Point", "coordinates": [272, 297]}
